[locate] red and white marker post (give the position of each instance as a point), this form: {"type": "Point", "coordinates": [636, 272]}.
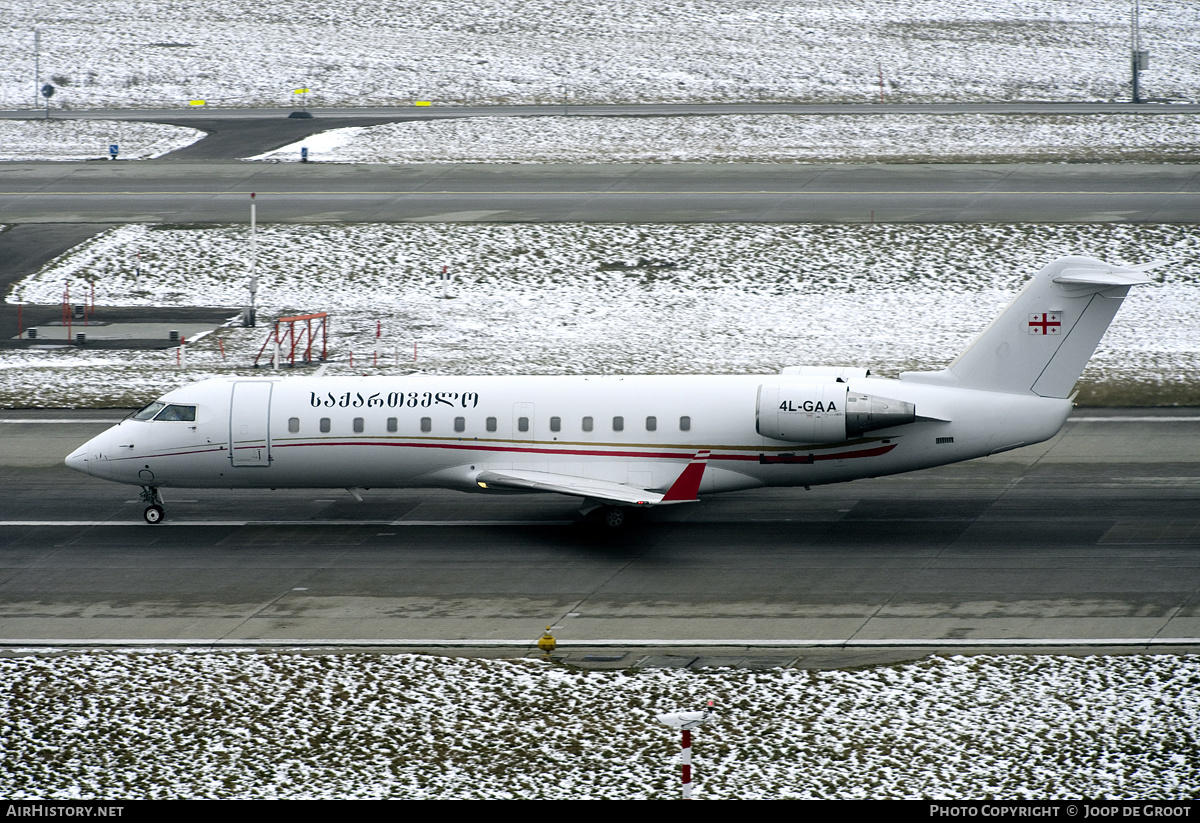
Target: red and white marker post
{"type": "Point", "coordinates": [685, 764]}
{"type": "Point", "coordinates": [686, 721]}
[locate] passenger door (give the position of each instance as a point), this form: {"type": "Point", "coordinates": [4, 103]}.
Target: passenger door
{"type": "Point", "coordinates": [250, 423]}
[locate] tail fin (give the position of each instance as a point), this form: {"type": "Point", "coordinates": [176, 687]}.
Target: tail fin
{"type": "Point", "coordinates": [1040, 343]}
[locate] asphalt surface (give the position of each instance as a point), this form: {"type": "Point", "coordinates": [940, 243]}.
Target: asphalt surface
{"type": "Point", "coordinates": [1087, 542]}
{"type": "Point", "coordinates": [218, 192]}
{"type": "Point", "coordinates": [193, 185]}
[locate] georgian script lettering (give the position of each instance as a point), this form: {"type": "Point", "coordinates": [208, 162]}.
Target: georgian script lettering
{"type": "Point", "coordinates": [394, 400]}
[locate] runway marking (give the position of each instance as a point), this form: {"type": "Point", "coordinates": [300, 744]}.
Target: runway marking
{"type": "Point", "coordinates": [526, 643]}
{"type": "Point", "coordinates": [64, 420]}
{"type": "Point", "coordinates": [1195, 419]}
{"type": "Point", "coordinates": [595, 192]}
{"type": "Point", "coordinates": [240, 523]}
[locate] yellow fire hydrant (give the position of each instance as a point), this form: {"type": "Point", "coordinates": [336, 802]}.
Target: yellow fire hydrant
{"type": "Point", "coordinates": [546, 642]}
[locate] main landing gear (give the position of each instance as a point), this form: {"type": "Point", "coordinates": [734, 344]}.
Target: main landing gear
{"type": "Point", "coordinates": [606, 514]}
{"type": "Point", "coordinates": [154, 512]}
{"type": "Point", "coordinates": [613, 517]}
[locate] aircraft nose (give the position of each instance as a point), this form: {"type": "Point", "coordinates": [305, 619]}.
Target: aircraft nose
{"type": "Point", "coordinates": [78, 460]}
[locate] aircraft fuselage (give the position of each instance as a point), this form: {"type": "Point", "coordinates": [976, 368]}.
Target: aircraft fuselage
{"type": "Point", "coordinates": [636, 430]}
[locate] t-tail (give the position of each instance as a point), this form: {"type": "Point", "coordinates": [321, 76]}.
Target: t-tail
{"type": "Point", "coordinates": [1041, 342]}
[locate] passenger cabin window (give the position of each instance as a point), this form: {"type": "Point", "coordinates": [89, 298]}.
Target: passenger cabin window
{"type": "Point", "coordinates": [685, 424]}
{"type": "Point", "coordinates": [325, 425]}
{"type": "Point", "coordinates": [460, 424]}
{"type": "Point", "coordinates": [491, 424]}
{"type": "Point", "coordinates": [618, 424]}
{"type": "Point", "coordinates": [522, 424]}
{"type": "Point", "coordinates": [426, 424]}
{"type": "Point", "coordinates": [651, 424]}
{"type": "Point", "coordinates": [358, 425]}
{"type": "Point", "coordinates": [293, 424]}
{"type": "Point", "coordinates": [392, 424]}
{"type": "Point", "coordinates": [555, 424]}
{"type": "Point", "coordinates": [587, 424]}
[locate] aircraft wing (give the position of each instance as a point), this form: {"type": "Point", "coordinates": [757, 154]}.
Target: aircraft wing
{"type": "Point", "coordinates": [683, 490]}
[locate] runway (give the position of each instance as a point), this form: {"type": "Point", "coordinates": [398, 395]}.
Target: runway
{"type": "Point", "coordinates": [1085, 543]}
{"type": "Point", "coordinates": [218, 192]}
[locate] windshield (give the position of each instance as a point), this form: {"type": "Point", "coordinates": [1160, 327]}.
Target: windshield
{"type": "Point", "coordinates": [146, 412]}
{"type": "Point", "coordinates": [159, 410]}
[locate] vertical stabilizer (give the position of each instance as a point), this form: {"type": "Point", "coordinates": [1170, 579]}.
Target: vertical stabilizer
{"type": "Point", "coordinates": [1040, 343]}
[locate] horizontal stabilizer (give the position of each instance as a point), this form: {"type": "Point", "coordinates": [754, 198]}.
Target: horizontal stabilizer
{"type": "Point", "coordinates": [1151, 266]}
{"type": "Point", "coordinates": [1102, 276]}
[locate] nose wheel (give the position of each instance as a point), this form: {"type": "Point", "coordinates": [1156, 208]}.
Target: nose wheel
{"type": "Point", "coordinates": [154, 512]}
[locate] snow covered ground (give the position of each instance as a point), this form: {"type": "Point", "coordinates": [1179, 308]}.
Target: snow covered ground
{"type": "Point", "coordinates": [244, 725]}
{"type": "Point", "coordinates": [777, 138]}
{"type": "Point", "coordinates": [89, 139]}
{"type": "Point", "coordinates": [230, 53]}
{"type": "Point", "coordinates": [579, 299]}
{"type": "Point", "coordinates": [780, 138]}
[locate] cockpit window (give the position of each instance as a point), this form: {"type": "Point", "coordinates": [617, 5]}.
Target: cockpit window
{"type": "Point", "coordinates": [147, 412]}
{"type": "Point", "coordinates": [178, 413]}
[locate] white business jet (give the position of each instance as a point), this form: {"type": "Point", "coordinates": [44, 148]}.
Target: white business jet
{"type": "Point", "coordinates": [620, 443]}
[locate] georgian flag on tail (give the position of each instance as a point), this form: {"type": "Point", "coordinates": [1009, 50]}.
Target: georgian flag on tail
{"type": "Point", "coordinates": [1045, 323]}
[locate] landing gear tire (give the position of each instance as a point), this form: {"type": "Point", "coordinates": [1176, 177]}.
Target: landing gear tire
{"type": "Point", "coordinates": [154, 512]}
{"type": "Point", "coordinates": [613, 517]}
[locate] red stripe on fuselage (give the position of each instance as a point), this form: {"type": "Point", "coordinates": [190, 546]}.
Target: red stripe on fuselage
{"type": "Point", "coordinates": [580, 452]}
{"type": "Point", "coordinates": [680, 455]}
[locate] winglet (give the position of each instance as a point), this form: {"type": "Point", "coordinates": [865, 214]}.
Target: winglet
{"type": "Point", "coordinates": [687, 485]}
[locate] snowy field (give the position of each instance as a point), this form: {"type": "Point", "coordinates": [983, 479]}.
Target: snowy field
{"type": "Point", "coordinates": [90, 139]}
{"type": "Point", "coordinates": [777, 138]}
{"type": "Point", "coordinates": [203, 725]}
{"type": "Point", "coordinates": [780, 138]}
{"type": "Point", "coordinates": [582, 299]}
{"type": "Point", "coordinates": [456, 52]}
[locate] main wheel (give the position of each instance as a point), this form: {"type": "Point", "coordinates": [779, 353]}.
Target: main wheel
{"type": "Point", "coordinates": [154, 514]}
{"type": "Point", "coordinates": [614, 517]}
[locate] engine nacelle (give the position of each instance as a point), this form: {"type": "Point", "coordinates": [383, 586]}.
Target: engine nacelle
{"type": "Point", "coordinates": [821, 412]}
{"type": "Point", "coordinates": [866, 412]}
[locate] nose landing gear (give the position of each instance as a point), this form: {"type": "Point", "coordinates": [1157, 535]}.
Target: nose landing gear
{"type": "Point", "coordinates": [154, 512]}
